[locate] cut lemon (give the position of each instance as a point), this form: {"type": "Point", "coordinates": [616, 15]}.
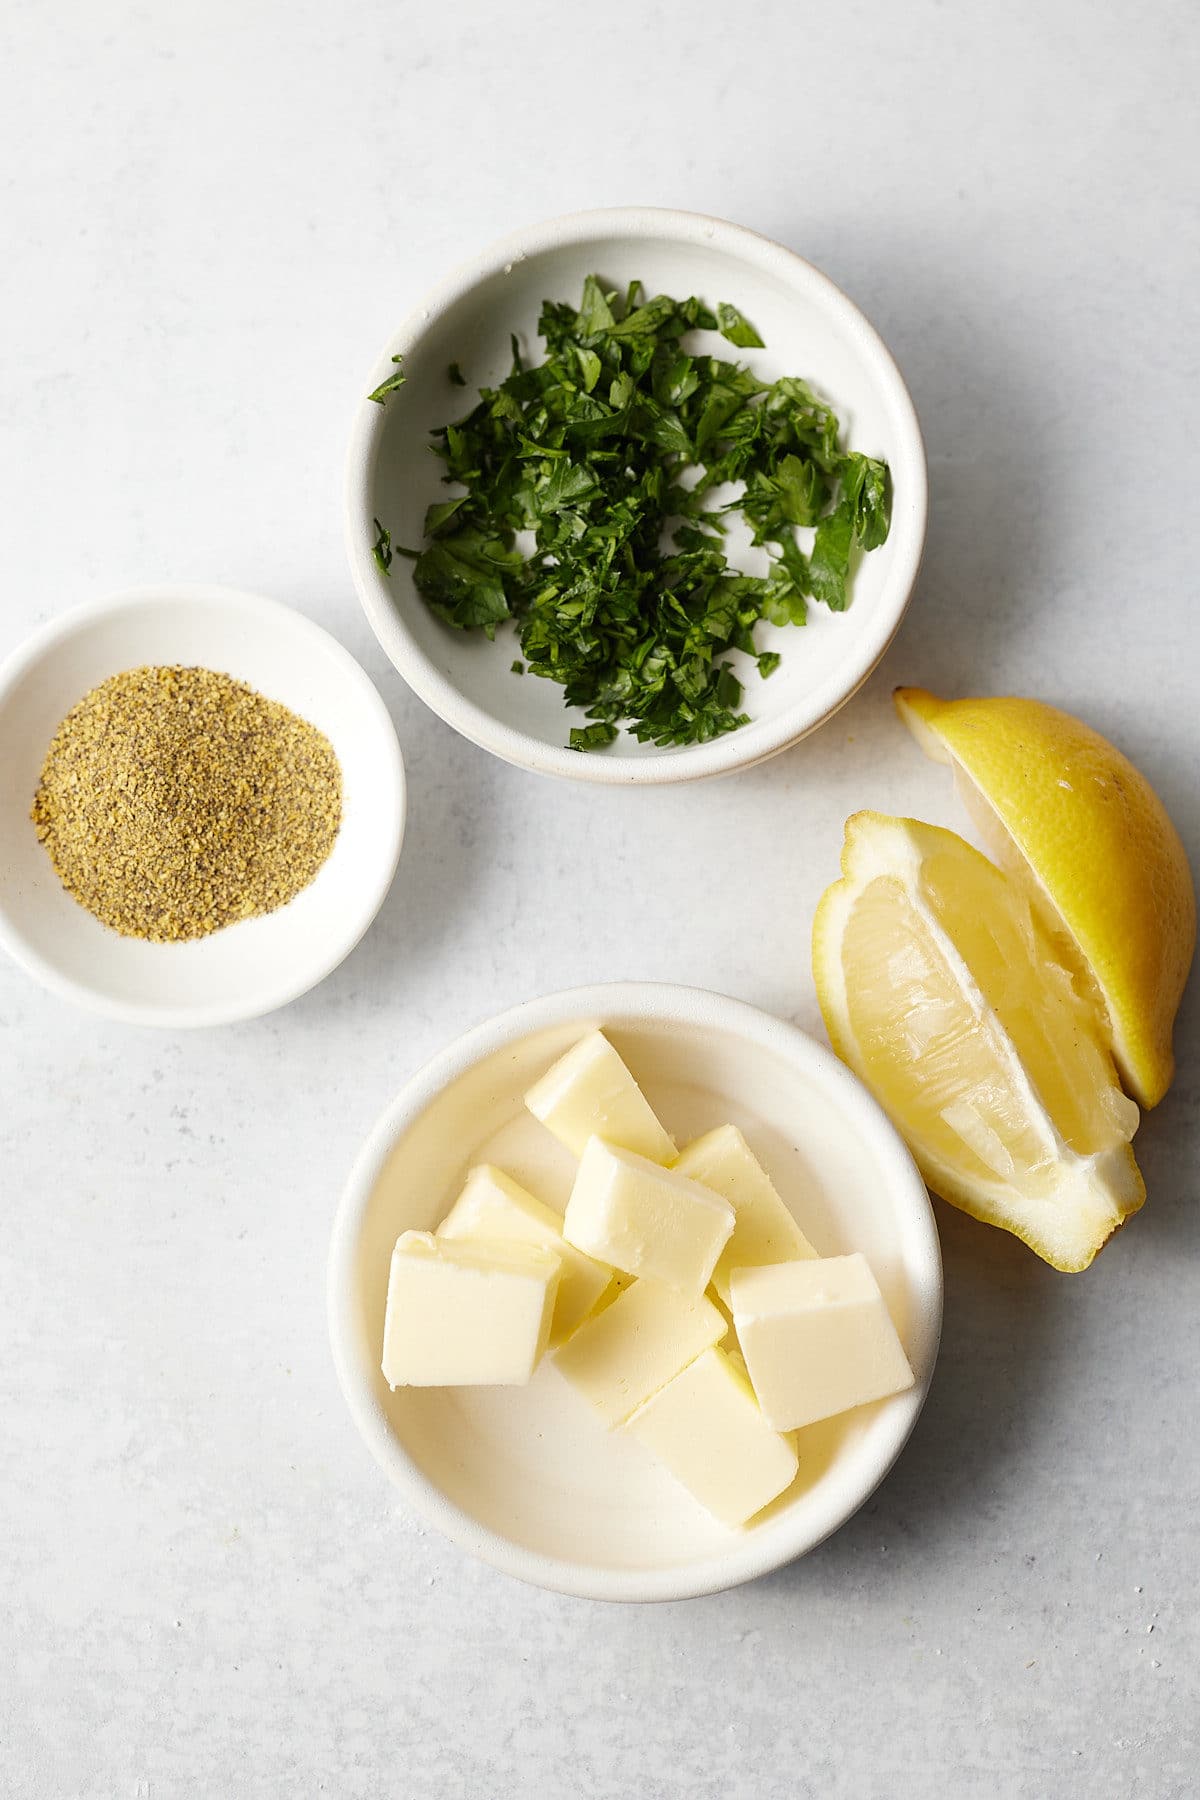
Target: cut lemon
{"type": "Point", "coordinates": [1064, 811]}
{"type": "Point", "coordinates": [945, 986]}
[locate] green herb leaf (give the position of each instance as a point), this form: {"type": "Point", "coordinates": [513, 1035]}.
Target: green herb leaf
{"type": "Point", "coordinates": [439, 516]}
{"type": "Point", "coordinates": [784, 603]}
{"type": "Point", "coordinates": [455, 376]}
{"type": "Point", "coordinates": [595, 313]}
{"type": "Point", "coordinates": [830, 559]}
{"type": "Point", "coordinates": [568, 484]}
{"type": "Point", "coordinates": [865, 480]}
{"type": "Point", "coordinates": [729, 688]}
{"type": "Point", "coordinates": [380, 394]}
{"type": "Point", "coordinates": [462, 577]}
{"type": "Point", "coordinates": [592, 737]}
{"type": "Point", "coordinates": [381, 549]}
{"type": "Point", "coordinates": [590, 367]}
{"type": "Point", "coordinates": [803, 422]}
{"type": "Point", "coordinates": [737, 328]}
{"type": "Point", "coordinates": [802, 489]}
{"type": "Point", "coordinates": [647, 321]}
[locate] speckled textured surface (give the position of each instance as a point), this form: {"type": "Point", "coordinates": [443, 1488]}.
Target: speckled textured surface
{"type": "Point", "coordinates": [213, 217]}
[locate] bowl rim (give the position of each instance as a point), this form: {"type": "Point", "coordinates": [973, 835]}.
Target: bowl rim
{"type": "Point", "coordinates": [213, 597]}
{"type": "Point", "coordinates": [748, 1557]}
{"type": "Point", "coordinates": [751, 744]}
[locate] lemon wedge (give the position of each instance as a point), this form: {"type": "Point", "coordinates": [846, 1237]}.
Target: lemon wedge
{"type": "Point", "coordinates": [949, 988]}
{"type": "Point", "coordinates": [1066, 813]}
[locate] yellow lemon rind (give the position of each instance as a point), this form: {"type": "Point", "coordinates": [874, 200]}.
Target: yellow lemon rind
{"type": "Point", "coordinates": [1097, 842]}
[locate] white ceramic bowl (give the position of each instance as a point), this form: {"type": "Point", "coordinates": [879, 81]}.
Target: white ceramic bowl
{"type": "Point", "coordinates": [248, 968]}
{"type": "Point", "coordinates": [528, 1478]}
{"type": "Point", "coordinates": [810, 329]}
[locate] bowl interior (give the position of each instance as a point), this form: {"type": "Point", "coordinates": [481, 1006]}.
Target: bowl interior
{"type": "Point", "coordinates": [809, 329]}
{"type": "Point", "coordinates": [533, 1468]}
{"type": "Point", "coordinates": [249, 967]}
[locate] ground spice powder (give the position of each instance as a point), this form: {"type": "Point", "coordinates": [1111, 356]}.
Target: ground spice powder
{"type": "Point", "coordinates": [174, 801]}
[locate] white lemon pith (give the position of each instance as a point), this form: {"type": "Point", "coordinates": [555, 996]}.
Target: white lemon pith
{"type": "Point", "coordinates": [945, 988]}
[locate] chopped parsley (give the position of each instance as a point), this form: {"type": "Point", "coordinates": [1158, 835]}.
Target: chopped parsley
{"type": "Point", "coordinates": [380, 394]}
{"type": "Point", "coordinates": [610, 453]}
{"type": "Point", "coordinates": [381, 549]}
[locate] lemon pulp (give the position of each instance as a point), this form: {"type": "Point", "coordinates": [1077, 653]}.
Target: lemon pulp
{"type": "Point", "coordinates": [959, 1001]}
{"type": "Point", "coordinates": [942, 1061]}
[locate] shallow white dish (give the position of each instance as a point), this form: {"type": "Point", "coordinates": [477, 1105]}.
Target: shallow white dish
{"type": "Point", "coordinates": [248, 968]}
{"type": "Point", "coordinates": [810, 329]}
{"type": "Point", "coordinates": [528, 1478]}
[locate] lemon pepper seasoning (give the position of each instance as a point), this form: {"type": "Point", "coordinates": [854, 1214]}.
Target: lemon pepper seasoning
{"type": "Point", "coordinates": [174, 801]}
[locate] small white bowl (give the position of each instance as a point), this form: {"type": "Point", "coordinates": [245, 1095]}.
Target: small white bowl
{"type": "Point", "coordinates": [810, 329]}
{"type": "Point", "coordinates": [528, 1479]}
{"type": "Point", "coordinates": [248, 968]}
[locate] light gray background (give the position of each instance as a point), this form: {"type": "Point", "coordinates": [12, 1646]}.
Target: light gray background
{"type": "Point", "coordinates": [212, 216]}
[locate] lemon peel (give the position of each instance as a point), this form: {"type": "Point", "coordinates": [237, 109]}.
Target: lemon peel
{"type": "Point", "coordinates": [1062, 808]}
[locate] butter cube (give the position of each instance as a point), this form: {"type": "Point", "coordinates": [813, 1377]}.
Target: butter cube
{"type": "Point", "coordinates": [817, 1338]}
{"type": "Point", "coordinates": [633, 1347]}
{"type": "Point", "coordinates": [636, 1215]}
{"type": "Point", "coordinates": [463, 1314]}
{"type": "Point", "coordinates": [590, 1093]}
{"type": "Point", "coordinates": [492, 1206]}
{"type": "Point", "coordinates": [707, 1427]}
{"type": "Point", "coordinates": [764, 1230]}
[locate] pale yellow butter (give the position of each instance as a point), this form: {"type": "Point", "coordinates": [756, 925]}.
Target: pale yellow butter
{"type": "Point", "coordinates": [817, 1338]}
{"type": "Point", "coordinates": [708, 1428]}
{"type": "Point", "coordinates": [634, 1346]}
{"type": "Point", "coordinates": [465, 1314]}
{"type": "Point", "coordinates": [711, 1294]}
{"type": "Point", "coordinates": [492, 1206]}
{"type": "Point", "coordinates": [638, 1216]}
{"type": "Point", "coordinates": [589, 1092]}
{"type": "Point", "coordinates": [764, 1230]}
